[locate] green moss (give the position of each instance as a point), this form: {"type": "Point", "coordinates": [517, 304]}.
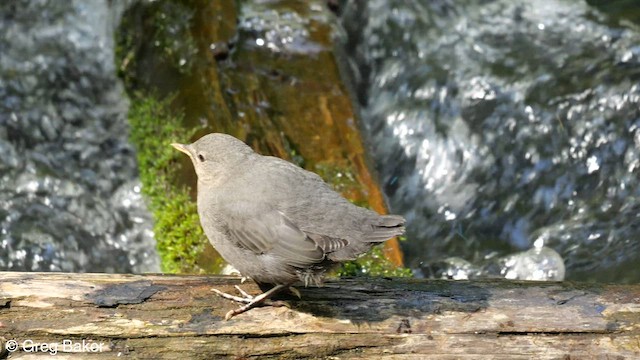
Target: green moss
{"type": "Point", "coordinates": [177, 229]}
{"type": "Point", "coordinates": [373, 263]}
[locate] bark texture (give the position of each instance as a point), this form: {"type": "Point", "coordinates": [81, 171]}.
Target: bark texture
{"type": "Point", "coordinates": [156, 316]}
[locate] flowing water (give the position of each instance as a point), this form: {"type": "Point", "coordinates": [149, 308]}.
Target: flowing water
{"type": "Point", "coordinates": [69, 192]}
{"type": "Point", "coordinates": [507, 132]}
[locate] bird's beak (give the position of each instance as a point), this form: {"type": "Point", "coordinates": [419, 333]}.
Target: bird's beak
{"type": "Point", "coordinates": [182, 147]}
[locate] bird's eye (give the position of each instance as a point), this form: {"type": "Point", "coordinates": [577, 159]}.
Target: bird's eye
{"type": "Point", "coordinates": [201, 157]}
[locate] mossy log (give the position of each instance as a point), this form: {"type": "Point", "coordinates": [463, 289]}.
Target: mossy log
{"type": "Point", "coordinates": [156, 316]}
{"type": "Point", "coordinates": [201, 57]}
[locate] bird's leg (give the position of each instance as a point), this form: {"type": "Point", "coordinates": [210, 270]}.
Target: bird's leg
{"type": "Point", "coordinates": [251, 301]}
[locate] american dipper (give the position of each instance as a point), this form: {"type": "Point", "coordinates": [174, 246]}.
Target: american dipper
{"type": "Point", "coordinates": [274, 221]}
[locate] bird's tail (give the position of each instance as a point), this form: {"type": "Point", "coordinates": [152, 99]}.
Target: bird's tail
{"type": "Point", "coordinates": [379, 228]}
{"type": "Point", "coordinates": [385, 227]}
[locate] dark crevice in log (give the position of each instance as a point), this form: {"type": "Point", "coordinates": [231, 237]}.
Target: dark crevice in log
{"type": "Point", "coordinates": [551, 333]}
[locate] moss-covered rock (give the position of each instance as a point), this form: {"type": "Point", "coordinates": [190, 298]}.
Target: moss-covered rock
{"type": "Point", "coordinates": [219, 61]}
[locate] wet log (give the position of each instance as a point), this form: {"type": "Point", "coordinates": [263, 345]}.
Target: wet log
{"type": "Point", "coordinates": [158, 316]}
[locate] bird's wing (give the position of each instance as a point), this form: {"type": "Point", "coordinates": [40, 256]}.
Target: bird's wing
{"type": "Point", "coordinates": [264, 230]}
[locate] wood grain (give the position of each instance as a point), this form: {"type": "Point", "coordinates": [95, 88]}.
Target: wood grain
{"type": "Point", "coordinates": [157, 316]}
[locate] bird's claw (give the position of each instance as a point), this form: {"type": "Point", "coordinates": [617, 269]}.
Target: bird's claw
{"type": "Point", "coordinates": [240, 310]}
{"type": "Point", "coordinates": [244, 293]}
{"type": "Point", "coordinates": [251, 301]}
{"type": "Point", "coordinates": [295, 292]}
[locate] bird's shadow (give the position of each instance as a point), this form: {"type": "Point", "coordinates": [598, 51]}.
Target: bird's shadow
{"type": "Point", "coordinates": [377, 299]}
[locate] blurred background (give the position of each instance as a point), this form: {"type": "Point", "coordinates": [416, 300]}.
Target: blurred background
{"type": "Point", "coordinates": [506, 132]}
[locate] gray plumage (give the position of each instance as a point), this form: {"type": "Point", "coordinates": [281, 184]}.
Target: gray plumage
{"type": "Point", "coordinates": [273, 221]}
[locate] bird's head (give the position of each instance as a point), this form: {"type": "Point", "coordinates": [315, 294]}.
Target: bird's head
{"type": "Point", "coordinates": [215, 155]}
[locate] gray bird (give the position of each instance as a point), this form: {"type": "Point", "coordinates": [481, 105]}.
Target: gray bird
{"type": "Point", "coordinates": [274, 221]}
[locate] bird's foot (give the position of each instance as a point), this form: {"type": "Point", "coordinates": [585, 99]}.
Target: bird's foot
{"type": "Point", "coordinates": [246, 297]}
{"type": "Point", "coordinates": [250, 300]}
{"type": "Point", "coordinates": [295, 292]}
